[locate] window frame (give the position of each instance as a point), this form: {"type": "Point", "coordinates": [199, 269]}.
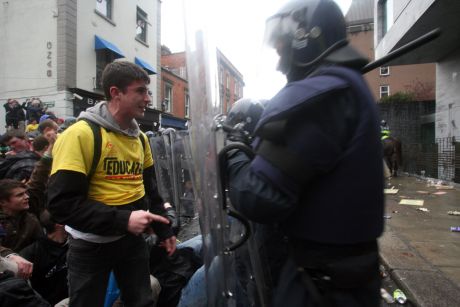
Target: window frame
{"type": "Point", "coordinates": [387, 92]}
{"type": "Point", "coordinates": [142, 15]}
{"type": "Point", "coordinates": [108, 7]}
{"type": "Point", "coordinates": [107, 57]}
{"type": "Point", "coordinates": [387, 70]}
{"type": "Point", "coordinates": [168, 97]}
{"type": "Point", "coordinates": [187, 105]}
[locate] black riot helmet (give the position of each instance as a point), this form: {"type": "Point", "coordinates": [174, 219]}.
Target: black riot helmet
{"type": "Point", "coordinates": [306, 33]}
{"type": "Point", "coordinates": [244, 116]}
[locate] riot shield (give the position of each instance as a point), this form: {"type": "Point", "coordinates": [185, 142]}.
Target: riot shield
{"type": "Point", "coordinates": [161, 152]}
{"type": "Point", "coordinates": [182, 170]}
{"type": "Point", "coordinates": [205, 104]}
{"type": "Point", "coordinates": [172, 155]}
{"type": "Point", "coordinates": [228, 257]}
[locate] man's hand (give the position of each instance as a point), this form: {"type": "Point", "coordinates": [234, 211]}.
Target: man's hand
{"type": "Point", "coordinates": [169, 245]}
{"type": "Point", "coordinates": [24, 267]}
{"type": "Point", "coordinates": [140, 220]}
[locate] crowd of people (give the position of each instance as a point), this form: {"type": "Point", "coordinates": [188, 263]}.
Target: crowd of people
{"type": "Point", "coordinates": [69, 240]}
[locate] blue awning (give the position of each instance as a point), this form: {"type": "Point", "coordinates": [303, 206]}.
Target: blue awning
{"type": "Point", "coordinates": [145, 66]}
{"type": "Point", "coordinates": [100, 43]}
{"type": "Point", "coordinates": [173, 122]}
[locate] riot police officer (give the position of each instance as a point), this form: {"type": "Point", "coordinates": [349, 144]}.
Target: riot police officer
{"type": "Point", "coordinates": [384, 129]}
{"type": "Point", "coordinates": [317, 172]}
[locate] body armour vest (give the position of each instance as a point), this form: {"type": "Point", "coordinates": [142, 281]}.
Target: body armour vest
{"type": "Point", "coordinates": [342, 204]}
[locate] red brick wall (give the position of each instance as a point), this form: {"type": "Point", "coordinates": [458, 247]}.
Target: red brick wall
{"type": "Point", "coordinates": [420, 78]}
{"type": "Point", "coordinates": [180, 87]}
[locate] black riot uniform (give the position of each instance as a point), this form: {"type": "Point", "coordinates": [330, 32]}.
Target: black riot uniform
{"type": "Point", "coordinates": [318, 166]}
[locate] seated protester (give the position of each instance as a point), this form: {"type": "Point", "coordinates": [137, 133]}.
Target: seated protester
{"type": "Point", "coordinates": [21, 227]}
{"type": "Point", "coordinates": [3, 150]}
{"type": "Point", "coordinates": [32, 126]}
{"type": "Point", "coordinates": [47, 125]}
{"type": "Point", "coordinates": [38, 182]}
{"type": "Point", "coordinates": [40, 144]}
{"type": "Point", "coordinates": [180, 272]}
{"type": "Point", "coordinates": [48, 255]}
{"type": "Point", "coordinates": [173, 272]}
{"type": "Point", "coordinates": [47, 115]}
{"type": "Point", "coordinates": [68, 121]}
{"type": "Point", "coordinates": [17, 292]}
{"type": "Point", "coordinates": [18, 166]}
{"type": "Point", "coordinates": [17, 142]}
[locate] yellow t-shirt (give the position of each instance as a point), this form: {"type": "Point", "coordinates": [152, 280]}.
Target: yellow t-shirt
{"type": "Point", "coordinates": [31, 127]}
{"type": "Point", "coordinates": [117, 179]}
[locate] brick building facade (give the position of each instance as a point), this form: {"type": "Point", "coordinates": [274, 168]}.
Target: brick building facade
{"type": "Point", "coordinates": [418, 79]}
{"type": "Point", "coordinates": [174, 86]}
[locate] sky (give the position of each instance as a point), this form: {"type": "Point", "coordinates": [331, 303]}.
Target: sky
{"type": "Point", "coordinates": [238, 30]}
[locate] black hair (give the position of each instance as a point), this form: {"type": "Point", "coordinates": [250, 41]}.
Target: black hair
{"type": "Point", "coordinates": [47, 123]}
{"type": "Point", "coordinates": [8, 185]}
{"type": "Point", "coordinates": [121, 74]}
{"type": "Point", "coordinates": [39, 143]}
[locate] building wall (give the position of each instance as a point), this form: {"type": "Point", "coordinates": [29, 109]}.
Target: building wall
{"type": "Point", "coordinates": [405, 14]}
{"type": "Point", "coordinates": [420, 78]}
{"type": "Point", "coordinates": [448, 97]}
{"type": "Point", "coordinates": [180, 88]}
{"type": "Point", "coordinates": [28, 51]}
{"type": "Point", "coordinates": [26, 56]}
{"type": "Point", "coordinates": [47, 46]}
{"type": "Point", "coordinates": [175, 63]}
{"type": "Point", "coordinates": [121, 31]}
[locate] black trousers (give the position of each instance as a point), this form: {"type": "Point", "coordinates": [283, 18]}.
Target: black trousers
{"type": "Point", "coordinates": [330, 275]}
{"type": "Point", "coordinates": [90, 265]}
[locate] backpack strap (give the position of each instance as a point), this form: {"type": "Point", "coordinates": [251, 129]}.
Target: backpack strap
{"type": "Point", "coordinates": [141, 137]}
{"type": "Point", "coordinates": [97, 147]}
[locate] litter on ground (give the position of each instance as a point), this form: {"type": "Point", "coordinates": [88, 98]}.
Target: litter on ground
{"type": "Point", "coordinates": [444, 187]}
{"type": "Point", "coordinates": [412, 202]}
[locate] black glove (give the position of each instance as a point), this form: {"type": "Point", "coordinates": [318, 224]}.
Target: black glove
{"type": "Point", "coordinates": [238, 134]}
{"type": "Point", "coordinates": [172, 217]}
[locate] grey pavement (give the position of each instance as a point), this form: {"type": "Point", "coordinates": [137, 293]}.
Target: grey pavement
{"type": "Point", "coordinates": [418, 248]}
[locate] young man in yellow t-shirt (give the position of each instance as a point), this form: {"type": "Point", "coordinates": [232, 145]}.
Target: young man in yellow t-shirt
{"type": "Point", "coordinates": [106, 211]}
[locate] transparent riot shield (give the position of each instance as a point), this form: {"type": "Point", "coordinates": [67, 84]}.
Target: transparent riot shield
{"type": "Point", "coordinates": [205, 104]}
{"type": "Point", "coordinates": [182, 170]}
{"type": "Point", "coordinates": [161, 152]}
{"type": "Point", "coordinates": [229, 256]}
{"type": "Point", "coordinates": [173, 170]}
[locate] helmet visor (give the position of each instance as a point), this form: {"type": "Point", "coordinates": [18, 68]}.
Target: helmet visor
{"type": "Point", "coordinates": [279, 29]}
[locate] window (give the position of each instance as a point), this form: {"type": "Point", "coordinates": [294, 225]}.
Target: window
{"type": "Point", "coordinates": [187, 105]}
{"type": "Point", "coordinates": [384, 91]}
{"type": "Point", "coordinates": [141, 25]}
{"type": "Point", "coordinates": [388, 14]}
{"type": "Point", "coordinates": [166, 105]}
{"type": "Point", "coordinates": [385, 71]}
{"type": "Point", "coordinates": [228, 80]}
{"type": "Point", "coordinates": [221, 76]}
{"type": "Point", "coordinates": [183, 72]}
{"type": "Point", "coordinates": [103, 57]}
{"type": "Point", "coordinates": [104, 7]}
{"type": "Point", "coordinates": [236, 88]}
